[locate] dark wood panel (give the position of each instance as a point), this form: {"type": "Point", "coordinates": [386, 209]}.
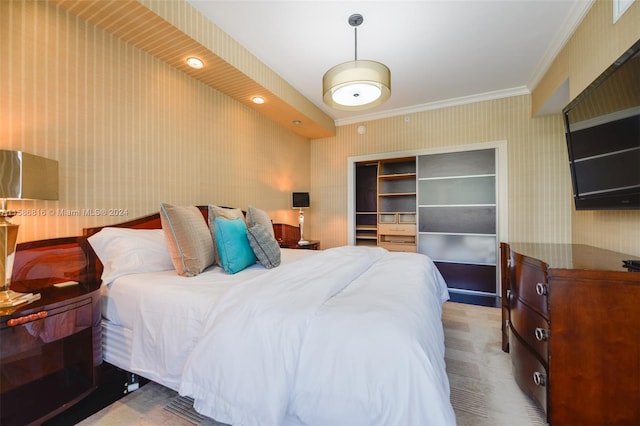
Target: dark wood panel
{"type": "Point", "coordinates": [505, 272]}
{"type": "Point", "coordinates": [39, 264]}
{"type": "Point", "coordinates": [574, 256]}
{"type": "Point", "coordinates": [51, 354]}
{"type": "Point", "coordinates": [595, 347]}
{"type": "Point", "coordinates": [469, 277]}
{"type": "Point", "coordinates": [594, 331]}
{"type": "Point", "coordinates": [525, 322]}
{"type": "Point", "coordinates": [528, 277]}
{"type": "Point", "coordinates": [366, 187]}
{"type": "Point", "coordinates": [286, 233]}
{"type": "Point", "coordinates": [525, 366]}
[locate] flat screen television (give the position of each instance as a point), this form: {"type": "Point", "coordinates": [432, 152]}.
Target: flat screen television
{"type": "Point", "coordinates": [603, 138]}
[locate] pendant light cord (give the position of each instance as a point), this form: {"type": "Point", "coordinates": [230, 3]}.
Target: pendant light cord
{"type": "Point", "coordinates": [355, 29]}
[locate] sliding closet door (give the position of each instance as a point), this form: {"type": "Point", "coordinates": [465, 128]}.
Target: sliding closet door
{"type": "Point", "coordinates": [457, 218]}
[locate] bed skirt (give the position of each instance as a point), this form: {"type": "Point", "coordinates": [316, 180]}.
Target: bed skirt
{"type": "Point", "coordinates": [116, 347]}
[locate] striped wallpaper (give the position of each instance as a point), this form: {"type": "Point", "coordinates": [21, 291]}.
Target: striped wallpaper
{"type": "Point", "coordinates": [130, 131]}
{"type": "Point", "coordinates": [540, 198]}
{"type": "Point", "coordinates": [539, 181]}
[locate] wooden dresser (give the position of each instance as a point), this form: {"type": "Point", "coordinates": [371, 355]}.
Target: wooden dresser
{"type": "Point", "coordinates": [571, 322]}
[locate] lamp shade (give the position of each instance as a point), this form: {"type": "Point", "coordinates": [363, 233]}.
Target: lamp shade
{"type": "Point", "coordinates": [300, 200]}
{"type": "Point", "coordinates": [356, 85]}
{"type": "Point", "coordinates": [27, 176]}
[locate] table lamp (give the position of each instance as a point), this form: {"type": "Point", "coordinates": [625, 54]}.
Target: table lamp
{"type": "Point", "coordinates": [22, 177]}
{"type": "Point", "coordinates": [300, 201]}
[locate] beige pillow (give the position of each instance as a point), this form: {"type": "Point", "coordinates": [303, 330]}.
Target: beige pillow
{"type": "Point", "coordinates": [225, 213]}
{"type": "Point", "coordinates": [188, 238]}
{"type": "Point", "coordinates": [260, 217]}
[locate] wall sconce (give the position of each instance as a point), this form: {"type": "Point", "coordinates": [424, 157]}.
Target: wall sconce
{"type": "Point", "coordinates": [22, 177]}
{"type": "Point", "coordinates": [300, 201]}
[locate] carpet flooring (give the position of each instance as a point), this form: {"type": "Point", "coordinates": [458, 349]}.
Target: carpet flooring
{"type": "Point", "coordinates": [483, 390]}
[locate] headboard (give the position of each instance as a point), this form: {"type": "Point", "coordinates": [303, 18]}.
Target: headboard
{"type": "Point", "coordinates": [152, 221]}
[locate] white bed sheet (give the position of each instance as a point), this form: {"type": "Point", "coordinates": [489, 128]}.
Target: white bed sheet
{"type": "Point", "coordinates": [151, 305]}
{"type": "Point", "coordinates": [352, 336]}
{"type": "Point", "coordinates": [393, 314]}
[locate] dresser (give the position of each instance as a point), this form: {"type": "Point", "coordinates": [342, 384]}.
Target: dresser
{"type": "Point", "coordinates": [571, 323]}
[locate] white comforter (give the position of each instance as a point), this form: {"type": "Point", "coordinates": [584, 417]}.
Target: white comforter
{"type": "Point", "coordinates": [351, 336]}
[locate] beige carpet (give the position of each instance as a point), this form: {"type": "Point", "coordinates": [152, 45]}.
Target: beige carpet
{"type": "Point", "coordinates": [483, 391]}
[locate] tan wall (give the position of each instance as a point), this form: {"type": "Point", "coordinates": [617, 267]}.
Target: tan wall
{"type": "Point", "coordinates": [539, 181]}
{"type": "Point", "coordinates": [130, 131]}
{"type": "Point", "coordinates": [594, 46]}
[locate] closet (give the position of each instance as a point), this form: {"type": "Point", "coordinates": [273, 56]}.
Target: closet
{"type": "Point", "coordinates": [442, 204]}
{"type": "Point", "coordinates": [386, 204]}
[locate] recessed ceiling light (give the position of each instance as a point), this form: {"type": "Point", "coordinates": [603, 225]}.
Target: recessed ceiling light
{"type": "Point", "coordinates": [258, 100]}
{"type": "Point", "coordinates": [195, 62]}
{"type": "Point", "coordinates": [296, 122]}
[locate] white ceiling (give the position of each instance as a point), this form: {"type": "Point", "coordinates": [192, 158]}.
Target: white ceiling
{"type": "Point", "coordinates": [439, 51]}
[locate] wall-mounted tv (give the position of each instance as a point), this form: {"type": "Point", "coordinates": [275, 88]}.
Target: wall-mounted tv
{"type": "Point", "coordinates": [603, 138]}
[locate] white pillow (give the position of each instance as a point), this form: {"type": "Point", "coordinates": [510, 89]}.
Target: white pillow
{"type": "Point", "coordinates": [124, 251]}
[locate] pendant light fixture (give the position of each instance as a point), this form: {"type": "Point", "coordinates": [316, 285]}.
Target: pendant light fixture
{"type": "Point", "coordinates": [356, 85]}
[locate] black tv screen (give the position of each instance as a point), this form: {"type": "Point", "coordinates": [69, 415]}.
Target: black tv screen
{"type": "Point", "coordinates": [603, 138]}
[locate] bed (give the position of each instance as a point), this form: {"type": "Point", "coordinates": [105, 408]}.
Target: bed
{"type": "Point", "coordinates": [349, 335]}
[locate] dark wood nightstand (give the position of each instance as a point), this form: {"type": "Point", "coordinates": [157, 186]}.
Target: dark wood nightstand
{"type": "Point", "coordinates": [313, 245]}
{"type": "Point", "coordinates": [289, 235]}
{"type": "Point", "coordinates": [49, 352]}
{"type": "Point", "coordinates": [50, 349]}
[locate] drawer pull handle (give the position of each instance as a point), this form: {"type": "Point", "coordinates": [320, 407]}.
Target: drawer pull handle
{"type": "Point", "coordinates": [541, 289]}
{"type": "Point", "coordinates": [539, 379]}
{"type": "Point", "coordinates": [542, 334]}
{"type": "Point", "coordinates": [27, 318]}
{"type": "Point", "coordinates": [510, 299]}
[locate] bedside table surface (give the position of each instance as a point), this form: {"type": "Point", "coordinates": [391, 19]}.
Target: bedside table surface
{"type": "Point", "coordinates": [313, 245]}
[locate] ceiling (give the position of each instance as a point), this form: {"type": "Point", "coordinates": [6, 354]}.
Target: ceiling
{"type": "Point", "coordinates": [439, 52]}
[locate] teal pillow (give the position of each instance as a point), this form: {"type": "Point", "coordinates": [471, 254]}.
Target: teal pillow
{"type": "Point", "coordinates": [233, 245]}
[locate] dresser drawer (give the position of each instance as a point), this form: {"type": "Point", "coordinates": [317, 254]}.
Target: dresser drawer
{"type": "Point", "coordinates": [398, 247]}
{"type": "Point", "coordinates": [532, 328]}
{"type": "Point", "coordinates": [397, 229]}
{"type": "Point", "coordinates": [530, 374]}
{"type": "Point", "coordinates": [529, 282]}
{"type": "Point", "coordinates": [22, 334]}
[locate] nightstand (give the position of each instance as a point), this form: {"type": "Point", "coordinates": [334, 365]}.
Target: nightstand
{"type": "Point", "coordinates": [313, 245]}
{"type": "Point", "coordinates": [289, 235]}
{"type": "Point", "coordinates": [50, 351]}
